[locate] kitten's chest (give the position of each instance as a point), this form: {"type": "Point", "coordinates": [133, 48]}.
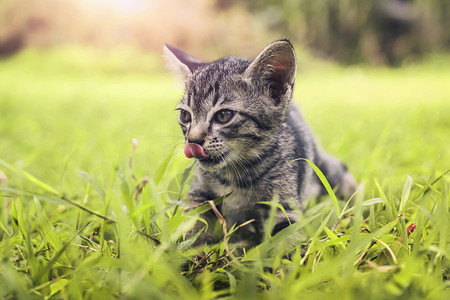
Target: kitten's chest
{"type": "Point", "coordinates": [237, 207]}
{"type": "Point", "coordinates": [240, 198]}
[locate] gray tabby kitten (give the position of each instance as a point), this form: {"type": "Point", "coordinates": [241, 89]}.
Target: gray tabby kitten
{"type": "Point", "coordinates": [240, 123]}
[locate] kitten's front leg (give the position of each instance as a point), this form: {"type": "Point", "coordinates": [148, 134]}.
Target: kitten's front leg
{"type": "Point", "coordinates": [199, 198]}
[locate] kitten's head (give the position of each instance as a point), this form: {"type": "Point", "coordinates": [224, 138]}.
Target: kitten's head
{"type": "Point", "coordinates": [232, 108]}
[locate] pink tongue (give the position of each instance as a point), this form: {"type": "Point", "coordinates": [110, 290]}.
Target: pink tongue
{"type": "Point", "coordinates": [194, 150]}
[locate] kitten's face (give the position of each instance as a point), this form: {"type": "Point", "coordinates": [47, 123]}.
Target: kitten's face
{"type": "Point", "coordinates": [232, 108]}
{"type": "Point", "coordinates": [225, 116]}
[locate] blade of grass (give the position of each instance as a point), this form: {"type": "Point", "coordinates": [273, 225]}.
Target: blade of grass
{"type": "Point", "coordinates": [63, 200]}
{"type": "Point", "coordinates": [390, 207]}
{"type": "Point", "coordinates": [94, 183]}
{"type": "Point", "coordinates": [58, 254]}
{"type": "Point", "coordinates": [277, 205]}
{"type": "Point", "coordinates": [315, 238]}
{"type": "Point", "coordinates": [48, 231]}
{"type": "Point", "coordinates": [369, 202]}
{"type": "Point", "coordinates": [58, 285]}
{"type": "Point", "coordinates": [327, 186]}
{"type": "Point", "coordinates": [163, 167]}
{"type": "Point", "coordinates": [405, 194]}
{"type": "Point", "coordinates": [32, 179]}
{"type": "Point", "coordinates": [126, 195]}
{"type": "Point", "coordinates": [357, 218]}
{"type": "Point", "coordinates": [444, 217]}
{"type": "Point", "coordinates": [205, 206]}
{"type": "Point", "coordinates": [264, 247]}
{"type": "Point", "coordinates": [184, 178]}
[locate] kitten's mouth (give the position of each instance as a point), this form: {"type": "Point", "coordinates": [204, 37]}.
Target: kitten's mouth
{"type": "Point", "coordinates": [194, 150]}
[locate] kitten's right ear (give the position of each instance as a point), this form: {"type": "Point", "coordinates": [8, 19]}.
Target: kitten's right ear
{"type": "Point", "coordinates": [180, 62]}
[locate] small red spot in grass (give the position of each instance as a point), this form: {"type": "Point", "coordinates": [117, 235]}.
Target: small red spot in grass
{"type": "Point", "coordinates": [411, 229]}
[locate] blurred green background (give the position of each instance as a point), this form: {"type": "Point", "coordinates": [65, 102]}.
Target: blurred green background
{"type": "Point", "coordinates": [80, 79]}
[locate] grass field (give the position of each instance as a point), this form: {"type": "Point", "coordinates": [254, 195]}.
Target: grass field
{"type": "Point", "coordinates": [85, 215]}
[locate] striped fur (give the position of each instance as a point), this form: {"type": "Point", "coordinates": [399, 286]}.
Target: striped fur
{"type": "Point", "coordinates": [254, 156]}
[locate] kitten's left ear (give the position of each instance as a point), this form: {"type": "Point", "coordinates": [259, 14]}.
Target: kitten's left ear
{"type": "Point", "coordinates": [275, 69]}
{"type": "Point", "coordinates": [180, 62]}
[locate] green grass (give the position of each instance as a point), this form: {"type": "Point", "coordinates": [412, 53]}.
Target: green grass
{"type": "Point", "coordinates": [79, 221]}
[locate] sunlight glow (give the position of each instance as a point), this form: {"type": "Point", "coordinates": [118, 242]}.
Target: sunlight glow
{"type": "Point", "coordinates": [122, 6]}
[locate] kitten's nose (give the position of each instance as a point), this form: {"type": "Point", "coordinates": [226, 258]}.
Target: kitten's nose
{"type": "Point", "coordinates": [196, 136]}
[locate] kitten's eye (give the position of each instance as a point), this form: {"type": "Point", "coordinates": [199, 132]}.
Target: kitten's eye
{"type": "Point", "coordinates": [224, 116]}
{"type": "Point", "coordinates": [185, 117]}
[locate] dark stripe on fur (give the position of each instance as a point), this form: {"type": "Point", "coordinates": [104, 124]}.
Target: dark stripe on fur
{"type": "Point", "coordinates": [247, 181]}
{"type": "Point", "coordinates": [253, 137]}
{"type": "Point", "coordinates": [216, 95]}
{"type": "Point", "coordinates": [209, 91]}
{"type": "Point", "coordinates": [189, 96]}
{"type": "Point", "coordinates": [236, 125]}
{"type": "Point", "coordinates": [280, 226]}
{"type": "Point", "coordinates": [222, 180]}
{"type": "Point", "coordinates": [224, 100]}
{"type": "Point", "coordinates": [250, 136]}
{"type": "Point", "coordinates": [255, 120]}
{"type": "Point", "coordinates": [256, 178]}
{"type": "Point", "coordinates": [266, 153]}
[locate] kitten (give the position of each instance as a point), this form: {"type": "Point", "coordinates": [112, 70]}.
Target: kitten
{"type": "Point", "coordinates": [240, 123]}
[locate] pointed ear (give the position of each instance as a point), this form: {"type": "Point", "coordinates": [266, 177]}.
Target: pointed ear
{"type": "Point", "coordinates": [275, 69]}
{"type": "Point", "coordinates": [180, 62]}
